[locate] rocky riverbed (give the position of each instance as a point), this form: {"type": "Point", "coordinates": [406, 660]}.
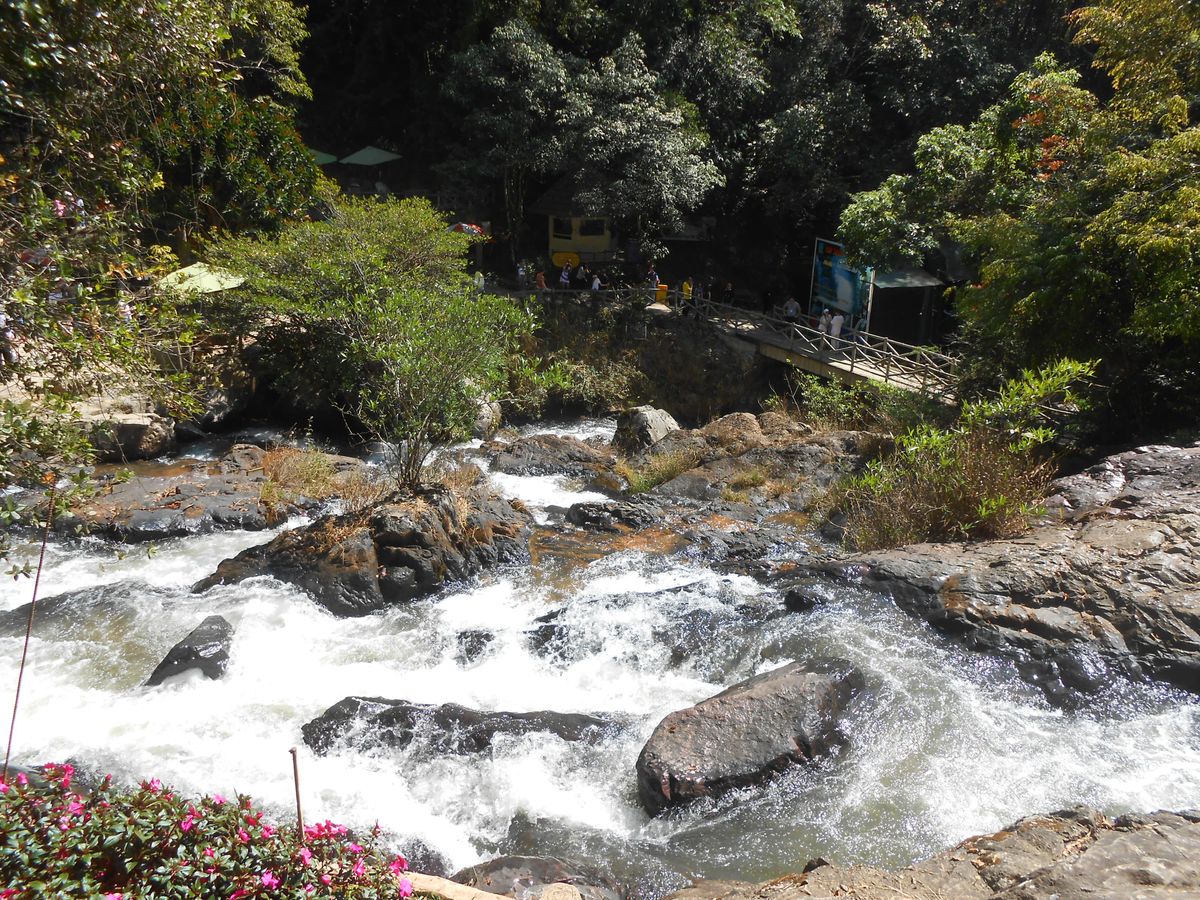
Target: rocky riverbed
{"type": "Point", "coordinates": [633, 690]}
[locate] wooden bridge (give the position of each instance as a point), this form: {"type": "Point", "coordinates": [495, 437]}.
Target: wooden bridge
{"type": "Point", "coordinates": [850, 357]}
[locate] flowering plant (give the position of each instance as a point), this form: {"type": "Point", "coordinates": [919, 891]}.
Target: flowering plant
{"type": "Point", "coordinates": [151, 842]}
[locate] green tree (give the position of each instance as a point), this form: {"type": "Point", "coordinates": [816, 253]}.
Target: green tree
{"type": "Point", "coordinates": [512, 93]}
{"type": "Point", "coordinates": [1078, 216]}
{"type": "Point", "coordinates": [641, 152]}
{"type": "Point", "coordinates": [372, 309]}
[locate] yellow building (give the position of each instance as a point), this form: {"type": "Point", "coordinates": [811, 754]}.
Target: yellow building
{"type": "Point", "coordinates": [573, 233]}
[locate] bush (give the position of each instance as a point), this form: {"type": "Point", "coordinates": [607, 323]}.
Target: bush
{"type": "Point", "coordinates": [658, 469]}
{"type": "Point", "coordinates": [982, 478]}
{"type": "Point", "coordinates": [150, 842]}
{"type": "Point", "coordinates": [831, 405]}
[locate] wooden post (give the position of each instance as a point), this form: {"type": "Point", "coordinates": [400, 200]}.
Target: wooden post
{"type": "Point", "coordinates": [296, 779]}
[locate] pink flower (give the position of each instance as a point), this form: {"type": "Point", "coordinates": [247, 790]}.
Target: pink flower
{"type": "Point", "coordinates": [189, 820]}
{"type": "Point", "coordinates": [243, 835]}
{"type": "Point", "coordinates": [21, 779]}
{"type": "Point", "coordinates": [360, 869]}
{"type": "Point", "coordinates": [355, 848]}
{"type": "Point", "coordinates": [326, 878]}
{"type": "Point", "coordinates": [9, 892]}
{"type": "Point", "coordinates": [305, 856]}
{"type": "Point", "coordinates": [4, 790]}
{"type": "Point", "coordinates": [115, 895]}
{"type": "Point", "coordinates": [398, 865]}
{"type": "Point", "coordinates": [268, 832]}
{"type": "Point", "coordinates": [405, 887]}
{"type": "Point", "coordinates": [217, 800]}
{"type": "Point", "coordinates": [269, 880]}
{"type": "Point", "coordinates": [75, 807]}
{"type": "Point", "coordinates": [308, 888]}
{"type": "Point", "coordinates": [154, 785]}
{"type": "Point", "coordinates": [209, 852]}
{"type": "Point", "coordinates": [239, 894]}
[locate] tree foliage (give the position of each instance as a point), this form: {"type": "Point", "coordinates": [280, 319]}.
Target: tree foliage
{"type": "Point", "coordinates": [1078, 215]}
{"type": "Point", "coordinates": [371, 308]}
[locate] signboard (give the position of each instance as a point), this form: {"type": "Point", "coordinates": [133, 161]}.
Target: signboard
{"type": "Point", "coordinates": [836, 286]}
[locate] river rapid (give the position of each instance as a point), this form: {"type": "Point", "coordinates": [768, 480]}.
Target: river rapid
{"type": "Point", "coordinates": [945, 743]}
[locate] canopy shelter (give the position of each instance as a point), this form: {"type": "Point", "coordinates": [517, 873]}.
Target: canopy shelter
{"type": "Point", "coordinates": [369, 155]}
{"type": "Point", "coordinates": [908, 304]}
{"type": "Point", "coordinates": [906, 278]}
{"type": "Point", "coordinates": [322, 158]}
{"type": "Point", "coordinates": [201, 278]}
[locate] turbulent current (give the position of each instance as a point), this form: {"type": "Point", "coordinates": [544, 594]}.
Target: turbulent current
{"type": "Point", "coordinates": [945, 744]}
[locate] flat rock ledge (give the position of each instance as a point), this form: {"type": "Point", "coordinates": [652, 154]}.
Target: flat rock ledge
{"type": "Point", "coordinates": [1075, 854]}
{"type": "Point", "coordinates": [357, 565]}
{"type": "Point", "coordinates": [176, 499]}
{"type": "Point", "coordinates": [373, 722]}
{"type": "Point", "coordinates": [746, 733]}
{"type": "Point", "coordinates": [1108, 585]}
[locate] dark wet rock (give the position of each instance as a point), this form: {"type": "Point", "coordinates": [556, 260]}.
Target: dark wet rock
{"type": "Point", "coordinates": [165, 500]}
{"type": "Point", "coordinates": [549, 454]}
{"type": "Point", "coordinates": [366, 722]}
{"type": "Point", "coordinates": [471, 645]}
{"type": "Point", "coordinates": [423, 858]}
{"type": "Point", "coordinates": [403, 551]}
{"type": "Point", "coordinates": [1073, 854]}
{"type": "Point", "coordinates": [548, 634]}
{"type": "Point", "coordinates": [205, 648]}
{"type": "Point", "coordinates": [804, 595]}
{"type": "Point", "coordinates": [642, 427]}
{"type": "Point", "coordinates": [618, 516]}
{"type": "Point", "coordinates": [339, 570]}
{"type": "Point", "coordinates": [1109, 585]}
{"type": "Point", "coordinates": [526, 876]}
{"type": "Point", "coordinates": [746, 733]}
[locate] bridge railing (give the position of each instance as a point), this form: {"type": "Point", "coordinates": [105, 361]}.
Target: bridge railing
{"type": "Point", "coordinates": [873, 356]}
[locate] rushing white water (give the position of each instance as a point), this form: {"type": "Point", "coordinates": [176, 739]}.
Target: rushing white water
{"type": "Point", "coordinates": [945, 744]}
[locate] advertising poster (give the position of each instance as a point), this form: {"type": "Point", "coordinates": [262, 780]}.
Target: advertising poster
{"type": "Point", "coordinates": [835, 285]}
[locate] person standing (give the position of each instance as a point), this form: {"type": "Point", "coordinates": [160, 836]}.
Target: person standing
{"type": "Point", "coordinates": [539, 282]}
{"type": "Point", "coordinates": [564, 277]}
{"type": "Point", "coordinates": [835, 327]}
{"type": "Point", "coordinates": [791, 311]}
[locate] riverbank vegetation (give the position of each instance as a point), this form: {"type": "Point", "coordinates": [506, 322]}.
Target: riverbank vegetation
{"type": "Point", "coordinates": [983, 476]}
{"type": "Point", "coordinates": [371, 309]}
{"type": "Point", "coordinates": [61, 840]}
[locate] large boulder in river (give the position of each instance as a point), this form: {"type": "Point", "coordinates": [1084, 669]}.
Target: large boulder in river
{"type": "Point", "coordinates": [552, 454]}
{"type": "Point", "coordinates": [354, 565]}
{"type": "Point", "coordinates": [206, 648]}
{"type": "Point", "coordinates": [746, 733]}
{"type": "Point", "coordinates": [1109, 585]}
{"type": "Point", "coordinates": [337, 566]}
{"type": "Point", "coordinates": [642, 427]}
{"type": "Point", "coordinates": [371, 722]}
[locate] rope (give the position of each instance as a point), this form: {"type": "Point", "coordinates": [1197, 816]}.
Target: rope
{"type": "Point", "coordinates": [37, 580]}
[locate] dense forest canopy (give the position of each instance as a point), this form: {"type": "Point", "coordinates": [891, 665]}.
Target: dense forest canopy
{"type": "Point", "coordinates": [766, 113]}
